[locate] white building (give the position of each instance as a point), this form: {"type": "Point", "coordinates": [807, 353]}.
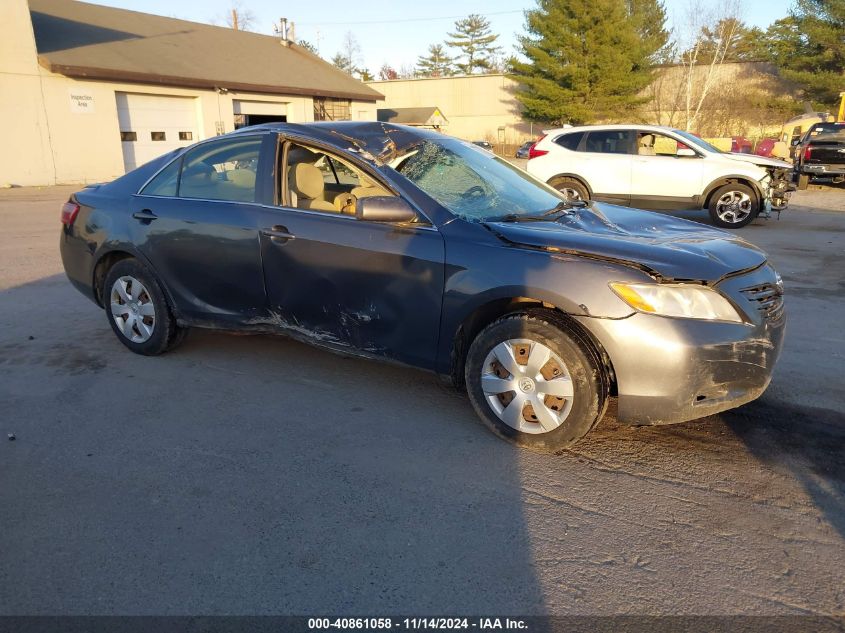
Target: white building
{"type": "Point", "coordinates": [91, 91]}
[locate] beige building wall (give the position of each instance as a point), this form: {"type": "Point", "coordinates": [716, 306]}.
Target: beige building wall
{"type": "Point", "coordinates": [24, 130]}
{"type": "Point", "coordinates": [47, 139]}
{"type": "Point", "coordinates": [478, 107]}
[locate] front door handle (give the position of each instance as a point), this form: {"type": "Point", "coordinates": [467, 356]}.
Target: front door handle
{"type": "Point", "coordinates": [278, 234]}
{"type": "Point", "coordinates": [145, 216]}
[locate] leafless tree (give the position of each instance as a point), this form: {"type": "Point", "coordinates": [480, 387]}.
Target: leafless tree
{"type": "Point", "coordinates": [237, 17]}
{"type": "Point", "coordinates": [711, 27]}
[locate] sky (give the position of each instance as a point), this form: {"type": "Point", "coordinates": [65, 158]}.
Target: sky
{"type": "Point", "coordinates": [396, 32]}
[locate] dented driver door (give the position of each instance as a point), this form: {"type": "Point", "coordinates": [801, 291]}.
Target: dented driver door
{"type": "Point", "coordinates": [349, 283]}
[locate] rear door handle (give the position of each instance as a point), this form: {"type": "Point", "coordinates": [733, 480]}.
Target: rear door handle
{"type": "Point", "coordinates": [145, 216]}
{"type": "Point", "coordinates": [278, 234]}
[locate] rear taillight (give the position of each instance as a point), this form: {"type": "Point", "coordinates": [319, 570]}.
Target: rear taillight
{"type": "Point", "coordinates": [69, 212]}
{"type": "Point", "coordinates": [533, 152]}
{"type": "Point", "coordinates": [808, 152]}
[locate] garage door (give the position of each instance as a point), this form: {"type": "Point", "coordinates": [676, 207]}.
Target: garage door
{"type": "Point", "coordinates": [151, 125]}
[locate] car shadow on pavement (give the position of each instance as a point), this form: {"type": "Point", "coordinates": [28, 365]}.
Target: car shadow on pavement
{"type": "Point", "coordinates": [242, 474]}
{"type": "Point", "coordinates": [809, 442]}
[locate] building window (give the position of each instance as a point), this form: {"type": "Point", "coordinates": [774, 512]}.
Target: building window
{"type": "Point", "coordinates": [128, 136]}
{"type": "Point", "coordinates": [329, 109]}
{"type": "Point", "coordinates": [186, 136]}
{"type": "Point", "coordinates": [158, 136]}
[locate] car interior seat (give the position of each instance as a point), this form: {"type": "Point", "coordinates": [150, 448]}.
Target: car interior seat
{"type": "Point", "coordinates": [306, 183]}
{"type": "Point", "coordinates": [646, 145]}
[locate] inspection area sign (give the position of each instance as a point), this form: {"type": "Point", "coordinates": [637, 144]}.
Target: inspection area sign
{"type": "Point", "coordinates": [81, 101]}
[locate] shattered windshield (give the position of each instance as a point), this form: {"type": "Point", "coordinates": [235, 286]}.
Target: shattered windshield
{"type": "Point", "coordinates": [472, 183]}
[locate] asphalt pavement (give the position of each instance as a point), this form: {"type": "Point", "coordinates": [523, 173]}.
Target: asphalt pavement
{"type": "Point", "coordinates": [256, 475]}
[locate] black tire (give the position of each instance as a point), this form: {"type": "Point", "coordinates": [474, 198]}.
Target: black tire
{"type": "Point", "coordinates": [565, 184]}
{"type": "Point", "coordinates": [803, 181]}
{"type": "Point", "coordinates": [166, 333]}
{"type": "Point", "coordinates": [590, 386]}
{"type": "Point", "coordinates": [729, 188]}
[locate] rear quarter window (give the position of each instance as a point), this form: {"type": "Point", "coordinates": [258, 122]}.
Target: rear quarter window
{"type": "Point", "coordinates": [570, 141]}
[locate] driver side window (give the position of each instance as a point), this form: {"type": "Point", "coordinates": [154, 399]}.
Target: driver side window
{"type": "Point", "coordinates": [319, 181]}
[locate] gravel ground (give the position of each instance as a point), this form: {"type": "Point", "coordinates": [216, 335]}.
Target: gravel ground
{"type": "Point", "coordinates": [255, 475]}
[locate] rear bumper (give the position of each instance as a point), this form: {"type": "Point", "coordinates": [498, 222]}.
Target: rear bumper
{"type": "Point", "coordinates": [78, 262]}
{"type": "Point", "coordinates": [823, 170]}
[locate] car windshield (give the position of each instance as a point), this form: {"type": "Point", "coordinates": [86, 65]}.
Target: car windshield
{"type": "Point", "coordinates": [474, 184]}
{"type": "Point", "coordinates": [695, 140]}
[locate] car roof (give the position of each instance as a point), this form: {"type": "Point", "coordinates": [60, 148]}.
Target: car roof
{"type": "Point", "coordinates": [612, 126]}
{"type": "Point", "coordinates": [379, 139]}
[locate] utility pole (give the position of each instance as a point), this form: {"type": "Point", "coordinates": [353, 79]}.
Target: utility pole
{"type": "Point", "coordinates": [235, 19]}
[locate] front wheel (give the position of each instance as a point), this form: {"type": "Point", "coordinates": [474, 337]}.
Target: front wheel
{"type": "Point", "coordinates": [534, 382]}
{"type": "Point", "coordinates": [732, 206]}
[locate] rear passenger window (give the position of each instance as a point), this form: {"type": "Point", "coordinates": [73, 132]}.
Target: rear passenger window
{"type": "Point", "coordinates": [570, 141]}
{"type": "Point", "coordinates": [166, 183]}
{"type": "Point", "coordinates": [609, 142]}
{"type": "Point", "coordinates": [221, 170]}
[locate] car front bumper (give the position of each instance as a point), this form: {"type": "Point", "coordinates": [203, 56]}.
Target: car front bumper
{"type": "Point", "coordinates": [672, 370]}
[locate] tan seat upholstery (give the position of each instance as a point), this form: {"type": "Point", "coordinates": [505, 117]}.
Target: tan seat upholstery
{"type": "Point", "coordinates": [306, 182]}
{"type": "Point", "coordinates": [646, 145]}
{"type": "Point", "coordinates": [241, 178]}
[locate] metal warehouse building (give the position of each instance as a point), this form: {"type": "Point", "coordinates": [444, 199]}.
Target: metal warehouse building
{"type": "Point", "coordinates": [89, 92]}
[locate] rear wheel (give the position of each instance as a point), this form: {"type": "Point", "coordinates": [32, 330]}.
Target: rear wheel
{"type": "Point", "coordinates": [572, 188]}
{"type": "Point", "coordinates": [534, 382]}
{"type": "Point", "coordinates": [137, 310]}
{"type": "Point", "coordinates": [733, 206]}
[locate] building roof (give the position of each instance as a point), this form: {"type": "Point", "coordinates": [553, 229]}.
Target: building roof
{"type": "Point", "coordinates": [425, 116]}
{"type": "Point", "coordinates": [90, 41]}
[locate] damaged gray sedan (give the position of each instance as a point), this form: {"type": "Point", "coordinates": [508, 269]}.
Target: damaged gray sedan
{"type": "Point", "coordinates": [409, 246]}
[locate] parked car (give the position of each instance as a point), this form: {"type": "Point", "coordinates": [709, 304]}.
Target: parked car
{"type": "Point", "coordinates": [484, 145]}
{"type": "Point", "coordinates": [522, 150]}
{"type": "Point", "coordinates": [410, 246]}
{"type": "Point", "coordinates": [765, 147]}
{"type": "Point", "coordinates": [660, 168]}
{"type": "Point", "coordinates": [821, 153]}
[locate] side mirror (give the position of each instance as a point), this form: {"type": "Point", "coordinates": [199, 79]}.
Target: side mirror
{"type": "Point", "coordinates": [384, 209]}
{"type": "Point", "coordinates": [687, 152]}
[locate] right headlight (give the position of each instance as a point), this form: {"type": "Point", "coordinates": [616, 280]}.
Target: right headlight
{"type": "Point", "coordinates": [687, 301]}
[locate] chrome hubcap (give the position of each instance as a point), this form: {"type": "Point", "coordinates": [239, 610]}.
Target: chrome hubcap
{"type": "Point", "coordinates": [132, 309]}
{"type": "Point", "coordinates": [734, 206]}
{"type": "Point", "coordinates": [527, 385]}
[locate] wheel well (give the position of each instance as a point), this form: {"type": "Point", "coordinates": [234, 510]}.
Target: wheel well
{"type": "Point", "coordinates": [573, 177]}
{"type": "Point", "coordinates": [727, 181]}
{"type": "Point", "coordinates": [489, 312]}
{"type": "Point", "coordinates": [101, 269]}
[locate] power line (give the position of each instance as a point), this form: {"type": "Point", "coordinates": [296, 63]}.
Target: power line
{"type": "Point", "coordinates": [397, 21]}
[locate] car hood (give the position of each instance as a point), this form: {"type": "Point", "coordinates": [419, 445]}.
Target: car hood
{"type": "Point", "coordinates": [665, 246]}
{"type": "Point", "coordinates": [760, 161]}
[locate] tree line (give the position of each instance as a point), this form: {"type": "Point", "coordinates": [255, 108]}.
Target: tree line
{"type": "Point", "coordinates": [581, 61]}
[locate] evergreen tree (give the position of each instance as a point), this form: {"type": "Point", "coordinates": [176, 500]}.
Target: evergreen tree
{"type": "Point", "coordinates": [308, 46]}
{"type": "Point", "coordinates": [808, 47]}
{"type": "Point", "coordinates": [436, 64]}
{"type": "Point", "coordinates": [588, 59]}
{"type": "Point", "coordinates": [475, 44]}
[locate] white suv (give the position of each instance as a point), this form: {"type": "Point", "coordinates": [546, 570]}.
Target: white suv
{"type": "Point", "coordinates": [659, 168]}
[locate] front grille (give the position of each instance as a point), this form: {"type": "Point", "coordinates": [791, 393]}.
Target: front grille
{"type": "Point", "coordinates": [767, 298]}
